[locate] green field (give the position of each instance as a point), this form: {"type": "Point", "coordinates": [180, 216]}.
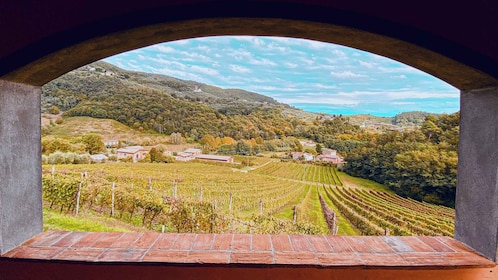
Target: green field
{"type": "Point", "coordinates": [269, 197]}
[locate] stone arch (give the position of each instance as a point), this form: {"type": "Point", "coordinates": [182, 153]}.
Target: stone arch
{"type": "Point", "coordinates": [37, 58]}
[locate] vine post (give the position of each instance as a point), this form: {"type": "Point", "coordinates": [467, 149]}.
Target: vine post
{"type": "Point", "coordinates": [78, 195]}
{"type": "Point", "coordinates": [112, 199]}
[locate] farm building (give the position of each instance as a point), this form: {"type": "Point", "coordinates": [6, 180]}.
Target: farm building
{"type": "Point", "coordinates": [224, 159]}
{"type": "Point", "coordinates": [99, 158]}
{"type": "Point", "coordinates": [329, 155]}
{"type": "Point", "coordinates": [302, 156]}
{"type": "Point", "coordinates": [183, 156]}
{"type": "Point", "coordinates": [111, 143]}
{"type": "Point", "coordinates": [193, 151]}
{"type": "Point", "coordinates": [137, 153]}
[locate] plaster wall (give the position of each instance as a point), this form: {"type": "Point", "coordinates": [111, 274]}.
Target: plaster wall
{"type": "Point", "coordinates": [477, 188]}
{"type": "Point", "coordinates": [20, 164]}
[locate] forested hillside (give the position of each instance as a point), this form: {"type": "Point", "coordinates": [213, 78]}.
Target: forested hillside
{"type": "Point", "coordinates": [421, 163]}
{"type": "Point", "coordinates": [167, 105]}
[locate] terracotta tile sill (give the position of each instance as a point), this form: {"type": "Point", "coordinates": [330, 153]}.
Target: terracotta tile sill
{"type": "Point", "coordinates": [246, 249]}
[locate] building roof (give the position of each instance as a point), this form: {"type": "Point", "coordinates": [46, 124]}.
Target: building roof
{"type": "Point", "coordinates": [213, 157]}
{"type": "Point", "coordinates": [131, 149]}
{"type": "Point", "coordinates": [98, 157]}
{"type": "Point", "coordinates": [192, 150]}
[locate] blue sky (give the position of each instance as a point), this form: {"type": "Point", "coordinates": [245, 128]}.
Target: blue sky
{"type": "Point", "coordinates": [311, 75]}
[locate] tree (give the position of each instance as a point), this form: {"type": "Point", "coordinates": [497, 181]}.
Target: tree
{"type": "Point", "coordinates": [94, 143]}
{"type": "Point", "coordinates": [243, 148]}
{"type": "Point", "coordinates": [177, 138]}
{"type": "Point", "coordinates": [319, 149]}
{"type": "Point", "coordinates": [208, 142]}
{"type": "Point", "coordinates": [54, 110]}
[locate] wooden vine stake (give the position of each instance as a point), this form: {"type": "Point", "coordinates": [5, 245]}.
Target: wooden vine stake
{"type": "Point", "coordinates": [260, 206]}
{"type": "Point", "coordinates": [200, 195]}
{"type": "Point", "coordinates": [112, 199]}
{"type": "Point", "coordinates": [78, 195]}
{"type": "Point", "coordinates": [295, 214]}
{"type": "Point", "coordinates": [230, 203]}
{"type": "Point", "coordinates": [175, 189]}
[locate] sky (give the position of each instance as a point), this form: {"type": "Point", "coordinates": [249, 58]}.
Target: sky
{"type": "Point", "coordinates": [310, 75]}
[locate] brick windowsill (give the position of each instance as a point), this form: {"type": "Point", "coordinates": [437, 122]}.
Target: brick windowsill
{"type": "Point", "coordinates": [252, 249]}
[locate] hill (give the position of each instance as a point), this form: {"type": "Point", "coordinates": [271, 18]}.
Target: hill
{"type": "Point", "coordinates": [166, 105]}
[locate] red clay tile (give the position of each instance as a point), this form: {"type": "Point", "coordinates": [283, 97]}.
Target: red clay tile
{"type": "Point", "coordinates": [88, 240]}
{"type": "Point", "coordinates": [11, 253]}
{"type": "Point", "coordinates": [107, 239]}
{"type": "Point", "coordinates": [44, 253]}
{"type": "Point", "coordinates": [146, 240]}
{"type": "Point", "coordinates": [80, 254]}
{"type": "Point", "coordinates": [222, 242]}
{"type": "Point", "coordinates": [261, 242]}
{"type": "Point", "coordinates": [397, 243]}
{"type": "Point", "coordinates": [391, 260]}
{"type": "Point", "coordinates": [184, 242]}
{"type": "Point", "coordinates": [358, 245]}
{"type": "Point", "coordinates": [417, 244]}
{"type": "Point", "coordinates": [122, 255]}
{"type": "Point", "coordinates": [377, 244]}
{"type": "Point", "coordinates": [339, 244]}
{"type": "Point", "coordinates": [281, 243]}
{"type": "Point", "coordinates": [70, 239]}
{"type": "Point", "coordinates": [319, 243]}
{"type": "Point", "coordinates": [300, 243]}
{"type": "Point", "coordinates": [165, 241]}
{"type": "Point", "coordinates": [464, 259]}
{"type": "Point", "coordinates": [435, 244]}
{"type": "Point", "coordinates": [203, 242]}
{"type": "Point", "coordinates": [35, 238]}
{"type": "Point", "coordinates": [422, 259]}
{"type": "Point", "coordinates": [165, 256]}
{"type": "Point", "coordinates": [252, 257]}
{"type": "Point", "coordinates": [126, 240]}
{"type": "Point", "coordinates": [208, 257]}
{"type": "Point", "coordinates": [338, 259]}
{"type": "Point", "coordinates": [241, 242]}
{"type": "Point", "coordinates": [49, 238]}
{"type": "Point", "coordinates": [454, 244]}
{"type": "Point", "coordinates": [295, 258]}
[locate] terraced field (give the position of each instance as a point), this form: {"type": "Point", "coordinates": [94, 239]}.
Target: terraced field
{"type": "Point", "coordinates": [277, 195]}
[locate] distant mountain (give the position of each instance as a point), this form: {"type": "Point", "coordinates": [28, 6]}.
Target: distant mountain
{"type": "Point", "coordinates": [415, 118]}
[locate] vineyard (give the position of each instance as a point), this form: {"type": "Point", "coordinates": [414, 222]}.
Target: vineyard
{"type": "Point", "coordinates": [274, 197]}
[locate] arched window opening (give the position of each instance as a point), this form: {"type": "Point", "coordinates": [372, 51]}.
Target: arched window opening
{"type": "Point", "coordinates": [207, 157]}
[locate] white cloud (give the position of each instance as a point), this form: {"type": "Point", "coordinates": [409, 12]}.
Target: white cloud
{"type": "Point", "coordinates": [263, 61]}
{"type": "Point", "coordinates": [307, 99]}
{"type": "Point", "coordinates": [316, 45]}
{"type": "Point", "coordinates": [204, 70]}
{"type": "Point", "coordinates": [366, 64]}
{"type": "Point", "coordinates": [290, 65]}
{"type": "Point", "coordinates": [346, 75]}
{"type": "Point", "coordinates": [194, 57]}
{"type": "Point", "coordinates": [163, 49]}
{"type": "Point", "coordinates": [274, 88]}
{"type": "Point", "coordinates": [322, 86]}
{"type": "Point", "coordinates": [339, 54]}
{"type": "Point", "coordinates": [240, 69]}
